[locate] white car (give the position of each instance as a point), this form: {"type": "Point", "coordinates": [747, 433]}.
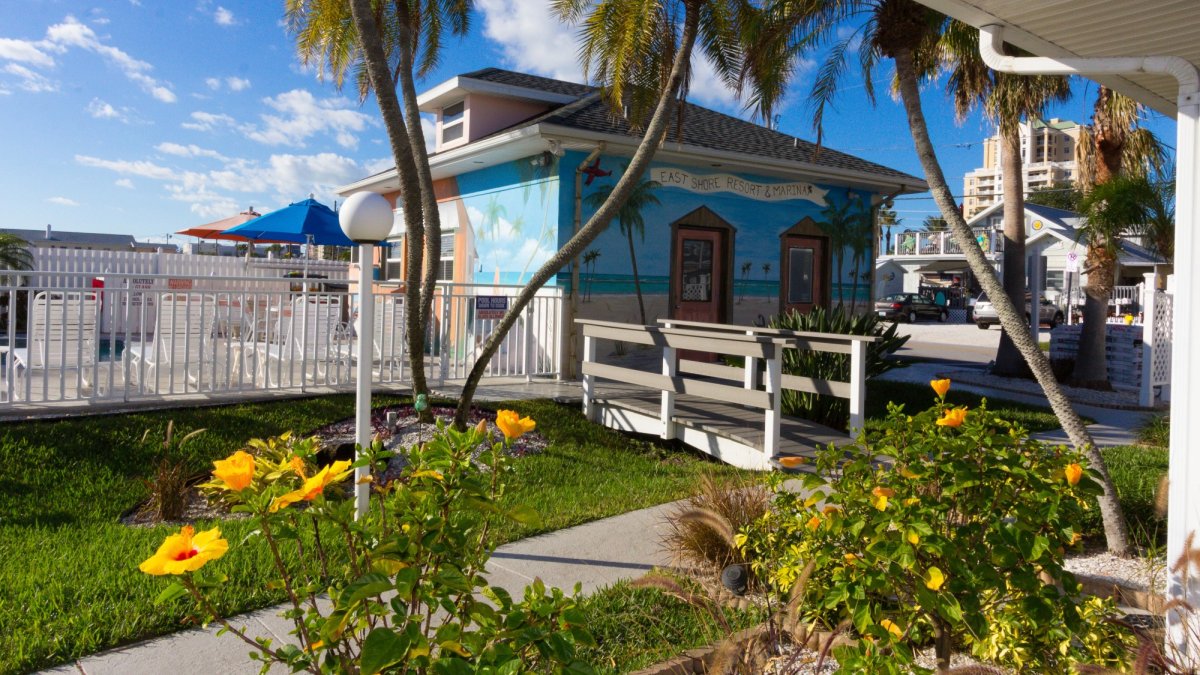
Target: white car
{"type": "Point", "coordinates": [985, 315]}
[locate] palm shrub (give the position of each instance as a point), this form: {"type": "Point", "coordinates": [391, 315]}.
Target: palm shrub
{"type": "Point", "coordinates": [950, 528]}
{"type": "Point", "coordinates": [168, 484]}
{"type": "Point", "coordinates": [833, 411]}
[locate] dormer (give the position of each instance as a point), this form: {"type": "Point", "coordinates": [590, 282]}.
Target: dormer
{"type": "Point", "coordinates": [469, 108]}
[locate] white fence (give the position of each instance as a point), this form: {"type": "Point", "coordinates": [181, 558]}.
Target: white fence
{"type": "Point", "coordinates": [152, 335]}
{"type": "Point", "coordinates": [68, 268]}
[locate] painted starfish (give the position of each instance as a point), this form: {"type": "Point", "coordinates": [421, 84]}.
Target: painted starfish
{"type": "Point", "coordinates": [594, 171]}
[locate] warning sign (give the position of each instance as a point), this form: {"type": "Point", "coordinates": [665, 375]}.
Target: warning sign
{"type": "Point", "coordinates": [491, 306]}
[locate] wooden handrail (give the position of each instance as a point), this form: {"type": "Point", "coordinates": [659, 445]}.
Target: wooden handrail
{"type": "Point", "coordinates": [775, 332]}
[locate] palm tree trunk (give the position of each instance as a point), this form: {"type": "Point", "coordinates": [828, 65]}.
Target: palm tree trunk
{"type": "Point", "coordinates": [1091, 363]}
{"type": "Point", "coordinates": [1116, 531]}
{"type": "Point", "coordinates": [655, 132]}
{"type": "Point", "coordinates": [430, 218]}
{"type": "Point", "coordinates": [1008, 360]}
{"type": "Point", "coordinates": [637, 284]}
{"type": "Point", "coordinates": [375, 60]}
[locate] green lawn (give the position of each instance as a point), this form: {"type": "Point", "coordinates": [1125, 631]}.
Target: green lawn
{"type": "Point", "coordinates": [69, 584]}
{"type": "Point", "coordinates": [916, 397]}
{"type": "Point", "coordinates": [1136, 472]}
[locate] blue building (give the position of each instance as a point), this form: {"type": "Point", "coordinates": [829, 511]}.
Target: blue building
{"type": "Point", "coordinates": [740, 221]}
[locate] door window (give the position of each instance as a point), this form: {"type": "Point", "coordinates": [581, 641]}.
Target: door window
{"type": "Point", "coordinates": [800, 276]}
{"type": "Point", "coordinates": [697, 264]}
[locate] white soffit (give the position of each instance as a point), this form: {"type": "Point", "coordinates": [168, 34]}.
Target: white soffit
{"type": "Point", "coordinates": [1093, 28]}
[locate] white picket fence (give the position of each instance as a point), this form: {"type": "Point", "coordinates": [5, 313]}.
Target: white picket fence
{"type": "Point", "coordinates": [69, 268]}
{"type": "Point", "coordinates": [165, 335]}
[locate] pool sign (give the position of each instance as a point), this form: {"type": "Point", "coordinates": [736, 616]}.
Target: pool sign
{"type": "Point", "coordinates": [1072, 261]}
{"type": "Point", "coordinates": [491, 306]}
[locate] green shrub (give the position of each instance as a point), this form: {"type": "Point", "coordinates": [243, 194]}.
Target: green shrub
{"type": "Point", "coordinates": [831, 410]}
{"type": "Point", "coordinates": [404, 579]}
{"type": "Point", "coordinates": [950, 528]}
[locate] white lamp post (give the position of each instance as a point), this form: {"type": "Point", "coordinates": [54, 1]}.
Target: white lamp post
{"type": "Point", "coordinates": [366, 218]}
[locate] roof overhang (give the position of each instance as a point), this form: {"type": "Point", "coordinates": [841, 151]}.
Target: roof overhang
{"type": "Point", "coordinates": [1089, 29]}
{"type": "Point", "coordinates": [456, 88]}
{"type": "Point", "coordinates": [533, 139]}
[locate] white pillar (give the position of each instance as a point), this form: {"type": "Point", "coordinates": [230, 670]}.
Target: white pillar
{"type": "Point", "coordinates": [1033, 270]}
{"type": "Point", "coordinates": [1183, 511]}
{"type": "Point", "coordinates": [1148, 325]}
{"type": "Point", "coordinates": [362, 401]}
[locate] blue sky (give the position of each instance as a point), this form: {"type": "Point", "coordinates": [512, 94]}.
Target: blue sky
{"type": "Point", "coordinates": [150, 116]}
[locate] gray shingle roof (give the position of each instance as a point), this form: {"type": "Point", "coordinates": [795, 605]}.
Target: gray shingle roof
{"type": "Point", "coordinates": [701, 128]}
{"type": "Point", "coordinates": [81, 238]}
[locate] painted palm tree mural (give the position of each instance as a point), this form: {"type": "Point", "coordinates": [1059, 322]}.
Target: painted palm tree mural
{"type": "Point", "coordinates": [860, 239]}
{"type": "Point", "coordinates": [537, 172]}
{"type": "Point", "coordinates": [629, 217]}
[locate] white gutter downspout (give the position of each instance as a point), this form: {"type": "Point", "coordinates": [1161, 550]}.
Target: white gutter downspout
{"type": "Point", "coordinates": [1183, 510]}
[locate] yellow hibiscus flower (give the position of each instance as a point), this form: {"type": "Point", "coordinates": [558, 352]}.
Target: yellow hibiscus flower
{"type": "Point", "coordinates": [513, 425]}
{"type": "Point", "coordinates": [940, 387]}
{"type": "Point", "coordinates": [183, 552]}
{"type": "Point", "coordinates": [313, 486]}
{"type": "Point", "coordinates": [791, 461]}
{"type": "Point", "coordinates": [891, 627]}
{"type": "Point", "coordinates": [813, 523]}
{"type": "Point", "coordinates": [235, 471]}
{"type": "Point", "coordinates": [881, 497]}
{"type": "Point", "coordinates": [1074, 472]}
{"type": "Point", "coordinates": [953, 417]}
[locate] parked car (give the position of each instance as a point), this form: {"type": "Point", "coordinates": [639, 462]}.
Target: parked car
{"type": "Point", "coordinates": [985, 315]}
{"type": "Point", "coordinates": [909, 307]}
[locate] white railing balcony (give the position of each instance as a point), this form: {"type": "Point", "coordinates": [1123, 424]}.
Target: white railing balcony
{"type": "Point", "coordinates": [940, 243]}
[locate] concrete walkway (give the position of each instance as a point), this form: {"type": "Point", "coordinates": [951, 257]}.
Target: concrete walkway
{"type": "Point", "coordinates": [596, 554]}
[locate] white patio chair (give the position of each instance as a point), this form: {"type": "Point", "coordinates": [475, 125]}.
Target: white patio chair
{"type": "Point", "coordinates": [314, 335]}
{"type": "Point", "coordinates": [387, 340]}
{"type": "Point", "coordinates": [184, 341]}
{"type": "Point", "coordinates": [62, 336]}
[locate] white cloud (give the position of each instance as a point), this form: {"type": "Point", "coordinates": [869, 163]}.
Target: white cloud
{"type": "Point", "coordinates": [205, 121]}
{"type": "Point", "coordinates": [213, 83]}
{"type": "Point", "coordinates": [237, 83]}
{"type": "Point", "coordinates": [531, 38]}
{"type": "Point", "coordinates": [223, 17]}
{"type": "Point", "coordinates": [25, 51]}
{"type": "Point", "coordinates": [124, 183]}
{"type": "Point", "coordinates": [72, 33]}
{"type": "Point", "coordinates": [187, 151]}
{"type": "Point", "coordinates": [707, 88]}
{"type": "Point", "coordinates": [302, 116]}
{"type": "Point", "coordinates": [104, 111]}
{"type": "Point", "coordinates": [29, 80]}
{"type": "Point", "coordinates": [130, 168]}
{"type": "Point", "coordinates": [62, 201]}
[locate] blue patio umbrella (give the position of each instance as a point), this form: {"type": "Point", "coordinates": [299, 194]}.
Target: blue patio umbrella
{"type": "Point", "coordinates": [306, 222]}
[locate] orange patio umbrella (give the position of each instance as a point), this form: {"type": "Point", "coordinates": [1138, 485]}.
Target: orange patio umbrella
{"type": "Point", "coordinates": [216, 229]}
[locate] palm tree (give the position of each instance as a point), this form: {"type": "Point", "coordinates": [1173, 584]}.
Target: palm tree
{"type": "Point", "coordinates": [640, 51]}
{"type": "Point", "coordinates": [14, 254]}
{"type": "Point", "coordinates": [589, 260]}
{"type": "Point", "coordinates": [862, 234]}
{"type": "Point", "coordinates": [934, 224]}
{"type": "Point", "coordinates": [887, 220]}
{"type": "Point", "coordinates": [1006, 99]}
{"type": "Point", "coordinates": [899, 30]}
{"type": "Point", "coordinates": [837, 221]}
{"type": "Point", "coordinates": [1114, 147]}
{"type": "Point", "coordinates": [389, 45]}
{"type": "Point", "coordinates": [629, 216]}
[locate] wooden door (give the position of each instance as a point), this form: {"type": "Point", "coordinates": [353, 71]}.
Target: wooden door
{"type": "Point", "coordinates": [802, 275]}
{"type": "Point", "coordinates": [698, 271]}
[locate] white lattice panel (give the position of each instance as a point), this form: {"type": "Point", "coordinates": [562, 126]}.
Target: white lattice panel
{"type": "Point", "coordinates": [1160, 372]}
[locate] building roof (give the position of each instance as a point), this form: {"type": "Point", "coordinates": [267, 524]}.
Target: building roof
{"type": "Point", "coordinates": [80, 238]}
{"type": "Point", "coordinates": [702, 127]}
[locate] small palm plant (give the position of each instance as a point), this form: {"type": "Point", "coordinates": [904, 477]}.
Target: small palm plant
{"type": "Point", "coordinates": [168, 486]}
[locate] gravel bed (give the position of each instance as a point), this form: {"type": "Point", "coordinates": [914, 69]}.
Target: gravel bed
{"type": "Point", "coordinates": [1139, 573]}
{"type": "Point", "coordinates": [804, 661]}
